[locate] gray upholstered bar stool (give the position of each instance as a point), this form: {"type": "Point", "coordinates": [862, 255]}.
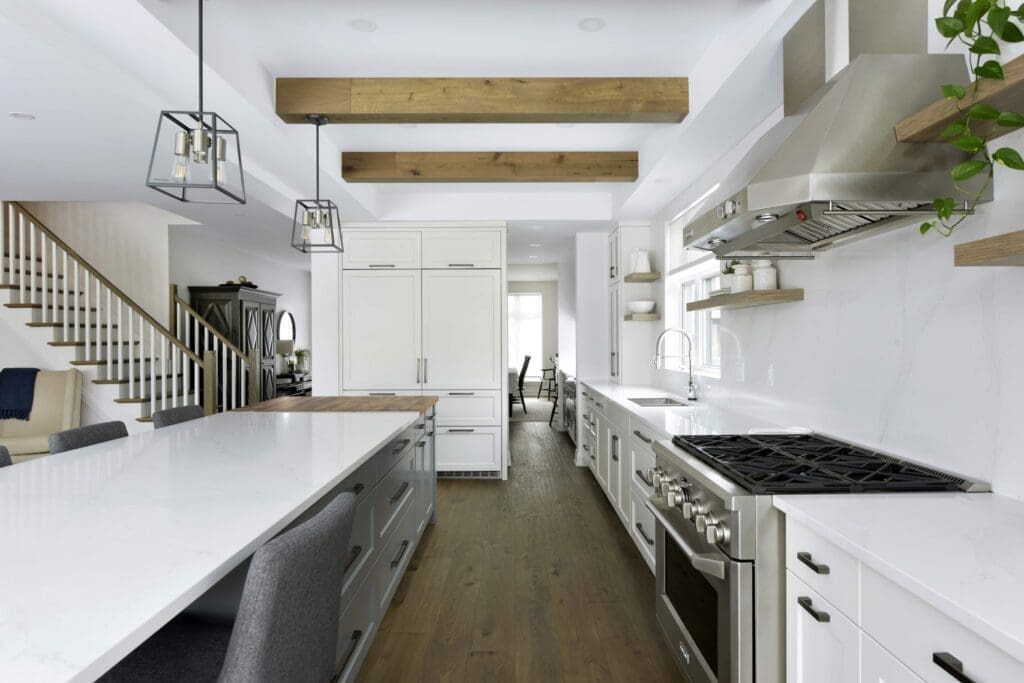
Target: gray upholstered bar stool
{"type": "Point", "coordinates": [87, 436]}
{"type": "Point", "coordinates": [287, 623]}
{"type": "Point", "coordinates": [173, 416]}
{"type": "Point", "coordinates": [5, 456]}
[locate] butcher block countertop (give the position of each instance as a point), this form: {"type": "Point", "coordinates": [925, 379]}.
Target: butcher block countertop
{"type": "Point", "coordinates": [343, 404]}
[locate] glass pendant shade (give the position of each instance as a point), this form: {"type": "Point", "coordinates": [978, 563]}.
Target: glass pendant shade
{"type": "Point", "coordinates": [316, 227]}
{"type": "Point", "coordinates": [197, 158]}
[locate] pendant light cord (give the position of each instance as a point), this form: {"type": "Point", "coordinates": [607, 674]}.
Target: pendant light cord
{"type": "Point", "coordinates": [200, 61]}
{"type": "Point", "coordinates": [317, 164]}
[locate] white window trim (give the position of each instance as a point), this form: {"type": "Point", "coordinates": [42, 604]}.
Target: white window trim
{"type": "Point", "coordinates": [693, 273]}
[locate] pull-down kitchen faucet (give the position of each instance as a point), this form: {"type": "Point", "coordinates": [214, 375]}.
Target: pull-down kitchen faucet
{"type": "Point", "coordinates": [691, 392]}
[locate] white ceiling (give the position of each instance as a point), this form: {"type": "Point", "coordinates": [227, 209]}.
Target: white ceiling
{"type": "Point", "coordinates": [97, 84]}
{"type": "Point", "coordinates": [536, 242]}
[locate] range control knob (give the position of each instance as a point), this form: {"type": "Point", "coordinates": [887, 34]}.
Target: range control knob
{"type": "Point", "coordinates": [678, 495]}
{"type": "Point", "coordinates": [654, 475]}
{"type": "Point", "coordinates": [703, 522]}
{"type": "Point", "coordinates": [691, 509]}
{"type": "Point", "coordinates": [667, 484]}
{"type": "Point", "coordinates": [717, 533]}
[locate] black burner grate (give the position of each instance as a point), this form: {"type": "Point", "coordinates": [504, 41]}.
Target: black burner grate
{"type": "Point", "coordinates": [810, 463]}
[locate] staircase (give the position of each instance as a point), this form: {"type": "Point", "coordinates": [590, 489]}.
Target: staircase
{"type": "Point", "coordinates": [72, 308]}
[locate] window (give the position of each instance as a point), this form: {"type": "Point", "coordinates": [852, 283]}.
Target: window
{"type": "Point", "coordinates": [526, 331]}
{"type": "Point", "coordinates": [693, 283]}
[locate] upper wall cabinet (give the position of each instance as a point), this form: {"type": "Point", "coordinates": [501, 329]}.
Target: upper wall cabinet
{"type": "Point", "coordinates": [381, 249]}
{"type": "Point", "coordinates": [462, 249]}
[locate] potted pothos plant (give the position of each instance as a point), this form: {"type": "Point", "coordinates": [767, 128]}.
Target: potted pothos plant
{"type": "Point", "coordinates": [983, 26]}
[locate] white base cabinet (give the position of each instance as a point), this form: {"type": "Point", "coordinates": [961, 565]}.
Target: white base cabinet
{"type": "Point", "coordinates": [468, 449]}
{"type": "Point", "coordinates": [823, 646]}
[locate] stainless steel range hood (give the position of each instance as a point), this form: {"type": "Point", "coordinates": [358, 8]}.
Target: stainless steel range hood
{"type": "Point", "coordinates": [841, 174]}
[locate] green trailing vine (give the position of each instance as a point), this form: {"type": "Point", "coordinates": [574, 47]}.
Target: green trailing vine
{"type": "Point", "coordinates": [981, 25]}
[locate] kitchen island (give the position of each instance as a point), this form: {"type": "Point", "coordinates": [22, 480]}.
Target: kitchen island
{"type": "Point", "coordinates": [103, 545]}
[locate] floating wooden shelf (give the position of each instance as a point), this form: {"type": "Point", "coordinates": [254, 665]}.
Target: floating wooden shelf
{"type": "Point", "coordinates": [1005, 95]}
{"type": "Point", "coordinates": [1001, 250]}
{"type": "Point", "coordinates": [643, 277]}
{"type": "Point", "coordinates": [747, 299]}
{"type": "Point", "coordinates": [643, 316]}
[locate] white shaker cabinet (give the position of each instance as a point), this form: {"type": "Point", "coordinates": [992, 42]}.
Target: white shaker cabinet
{"type": "Point", "coordinates": [461, 329]}
{"type": "Point", "coordinates": [381, 249]}
{"type": "Point", "coordinates": [381, 330]}
{"type": "Point", "coordinates": [878, 665]}
{"type": "Point", "coordinates": [468, 449]}
{"type": "Point", "coordinates": [614, 253]}
{"type": "Point", "coordinates": [822, 645]}
{"type": "Point", "coordinates": [463, 249]}
{"type": "Point", "coordinates": [614, 325]}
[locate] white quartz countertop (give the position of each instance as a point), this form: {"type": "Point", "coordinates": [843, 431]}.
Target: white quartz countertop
{"type": "Point", "coordinates": [101, 546]}
{"type": "Point", "coordinates": [962, 553]}
{"type": "Point", "coordinates": [699, 417]}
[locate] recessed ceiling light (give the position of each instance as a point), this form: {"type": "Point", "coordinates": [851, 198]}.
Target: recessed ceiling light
{"type": "Point", "coordinates": [22, 116]}
{"type": "Point", "coordinates": [591, 24]}
{"type": "Point", "coordinates": [537, 244]}
{"type": "Point", "coordinates": [363, 25]}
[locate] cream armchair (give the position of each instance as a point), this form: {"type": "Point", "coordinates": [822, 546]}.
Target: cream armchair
{"type": "Point", "coordinates": [56, 406]}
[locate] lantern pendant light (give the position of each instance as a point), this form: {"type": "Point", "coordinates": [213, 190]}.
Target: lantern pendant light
{"type": "Point", "coordinates": [316, 226]}
{"type": "Point", "coordinates": [196, 154]}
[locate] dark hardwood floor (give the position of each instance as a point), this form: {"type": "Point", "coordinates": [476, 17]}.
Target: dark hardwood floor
{"type": "Point", "coordinates": [533, 579]}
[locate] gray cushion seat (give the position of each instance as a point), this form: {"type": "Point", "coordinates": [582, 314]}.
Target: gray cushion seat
{"type": "Point", "coordinates": [173, 416]}
{"type": "Point", "coordinates": [87, 436]}
{"type": "Point", "coordinates": [5, 457]}
{"type": "Point", "coordinates": [287, 623]}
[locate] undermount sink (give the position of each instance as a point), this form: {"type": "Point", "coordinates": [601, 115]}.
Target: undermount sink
{"type": "Point", "coordinates": [658, 402]}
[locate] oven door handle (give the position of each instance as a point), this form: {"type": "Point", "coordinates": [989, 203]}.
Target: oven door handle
{"type": "Point", "coordinates": [706, 563]}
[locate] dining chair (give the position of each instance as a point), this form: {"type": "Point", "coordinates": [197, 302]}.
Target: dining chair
{"type": "Point", "coordinates": [173, 416]}
{"type": "Point", "coordinates": [548, 378]}
{"type": "Point", "coordinates": [522, 380]}
{"type": "Point", "coordinates": [287, 623]}
{"type": "Point", "coordinates": [5, 456]}
{"type": "Point", "coordinates": [80, 437]}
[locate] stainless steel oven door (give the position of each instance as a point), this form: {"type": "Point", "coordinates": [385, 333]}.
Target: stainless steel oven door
{"type": "Point", "coordinates": [705, 602]}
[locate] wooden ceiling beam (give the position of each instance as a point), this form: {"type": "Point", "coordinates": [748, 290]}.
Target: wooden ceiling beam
{"type": "Point", "coordinates": [489, 167]}
{"type": "Point", "coordinates": [484, 100]}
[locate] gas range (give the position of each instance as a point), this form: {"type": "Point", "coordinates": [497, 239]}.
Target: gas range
{"type": "Point", "coordinates": [720, 542]}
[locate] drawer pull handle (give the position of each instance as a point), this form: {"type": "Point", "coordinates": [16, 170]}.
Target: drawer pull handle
{"type": "Point", "coordinates": [382, 265]}
{"type": "Point", "coordinates": [816, 567]}
{"type": "Point", "coordinates": [401, 446]}
{"type": "Point", "coordinates": [585, 394]}
{"type": "Point", "coordinates": [461, 431]}
{"type": "Point", "coordinates": [644, 479]}
{"type": "Point", "coordinates": [599, 404]}
{"type": "Point", "coordinates": [640, 528]}
{"type": "Point", "coordinates": [615, 457]}
{"type": "Point", "coordinates": [636, 432]}
{"type": "Point", "coordinates": [460, 265]}
{"type": "Point", "coordinates": [401, 553]}
{"type": "Point", "coordinates": [356, 637]}
{"type": "Point", "coordinates": [383, 393]}
{"type": "Point", "coordinates": [462, 393]}
{"type": "Point", "coordinates": [400, 492]}
{"type": "Point", "coordinates": [357, 489]}
{"type": "Point", "coordinates": [586, 448]}
{"type": "Point", "coordinates": [808, 606]}
{"type": "Point", "coordinates": [357, 550]}
{"type": "Point", "coordinates": [951, 665]}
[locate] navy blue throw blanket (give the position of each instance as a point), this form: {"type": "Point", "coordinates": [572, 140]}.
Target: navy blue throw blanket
{"type": "Point", "coordinates": [17, 391]}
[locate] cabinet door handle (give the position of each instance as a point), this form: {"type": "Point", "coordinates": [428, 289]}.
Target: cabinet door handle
{"type": "Point", "coordinates": [357, 550]}
{"type": "Point", "coordinates": [599, 404]}
{"type": "Point", "coordinates": [461, 431]}
{"type": "Point", "coordinates": [808, 606]}
{"type": "Point", "coordinates": [615, 448]}
{"type": "Point", "coordinates": [419, 371]}
{"type": "Point", "coordinates": [356, 637]}
{"type": "Point", "coordinates": [400, 447]}
{"type": "Point", "coordinates": [462, 393]}
{"type": "Point", "coordinates": [637, 434]}
{"type": "Point", "coordinates": [644, 479]}
{"type": "Point", "coordinates": [816, 567]}
{"type": "Point", "coordinates": [460, 265]}
{"type": "Point", "coordinates": [382, 265]}
{"type": "Point", "coordinates": [357, 489]}
{"type": "Point", "coordinates": [951, 665]}
{"type": "Point", "coordinates": [398, 494]}
{"type": "Point", "coordinates": [401, 553]}
{"type": "Point", "coordinates": [640, 528]}
{"type": "Point", "coordinates": [424, 370]}
{"type": "Point", "coordinates": [383, 393]}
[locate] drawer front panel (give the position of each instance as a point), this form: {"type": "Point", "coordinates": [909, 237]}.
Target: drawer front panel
{"type": "Point", "coordinates": [393, 495]}
{"type": "Point", "coordinates": [462, 449]}
{"type": "Point", "coordinates": [821, 644]}
{"type": "Point", "coordinates": [878, 665]}
{"type": "Point", "coordinates": [362, 546]}
{"type": "Point", "coordinates": [381, 249]}
{"type": "Point", "coordinates": [823, 566]}
{"type": "Point", "coordinates": [915, 632]}
{"type": "Point", "coordinates": [394, 558]}
{"type": "Point", "coordinates": [642, 460]}
{"type": "Point", "coordinates": [356, 629]}
{"type": "Point", "coordinates": [468, 408]}
{"type": "Point", "coordinates": [462, 248]}
{"type": "Point", "coordinates": [641, 524]}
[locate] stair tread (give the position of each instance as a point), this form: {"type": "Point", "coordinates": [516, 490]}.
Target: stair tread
{"type": "Point", "coordinates": [49, 290]}
{"type": "Point", "coordinates": [105, 362]}
{"type": "Point", "coordinates": [81, 325]}
{"type": "Point", "coordinates": [19, 272]}
{"type": "Point", "coordinates": [146, 399]}
{"type": "Point", "coordinates": [128, 381]}
{"type": "Point", "coordinates": [91, 343]}
{"type": "Point", "coordinates": [81, 309]}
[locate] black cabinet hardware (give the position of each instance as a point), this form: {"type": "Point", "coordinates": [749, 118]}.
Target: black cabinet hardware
{"type": "Point", "coordinates": [462, 393]}
{"type": "Point", "coordinates": [460, 265]}
{"type": "Point", "coordinates": [382, 265]}
{"type": "Point", "coordinates": [636, 432]}
{"type": "Point", "coordinates": [398, 494]}
{"type": "Point", "coordinates": [644, 479]}
{"type": "Point", "coordinates": [951, 665]}
{"type": "Point", "coordinates": [461, 431]}
{"type": "Point", "coordinates": [401, 446]}
{"type": "Point", "coordinates": [357, 489]}
{"type": "Point", "coordinates": [816, 567]}
{"type": "Point", "coordinates": [356, 637]}
{"type": "Point", "coordinates": [808, 606]}
{"type": "Point", "coordinates": [401, 553]}
{"type": "Point", "coordinates": [357, 550]}
{"type": "Point", "coordinates": [640, 528]}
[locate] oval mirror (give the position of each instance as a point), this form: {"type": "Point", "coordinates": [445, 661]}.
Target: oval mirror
{"type": "Point", "coordinates": [286, 327]}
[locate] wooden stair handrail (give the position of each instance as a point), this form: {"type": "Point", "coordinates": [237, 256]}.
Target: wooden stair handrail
{"type": "Point", "coordinates": [227, 342]}
{"type": "Point", "coordinates": [107, 283]}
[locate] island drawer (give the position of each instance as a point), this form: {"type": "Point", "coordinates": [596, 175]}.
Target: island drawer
{"type": "Point", "coordinates": [362, 546]}
{"type": "Point", "coordinates": [394, 557]}
{"type": "Point", "coordinates": [356, 629]}
{"type": "Point", "coordinates": [459, 408]}
{"type": "Point", "coordinates": [399, 447]}
{"type": "Point", "coordinates": [393, 494]}
{"type": "Point", "coordinates": [825, 567]}
{"type": "Point", "coordinates": [918, 634]}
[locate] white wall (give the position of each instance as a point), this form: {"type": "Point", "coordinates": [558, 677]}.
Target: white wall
{"type": "Point", "coordinates": [548, 291]}
{"type": "Point", "coordinates": [592, 360]}
{"type": "Point", "coordinates": [567, 314]}
{"type": "Point", "coordinates": [127, 242]}
{"type": "Point", "coordinates": [197, 258]}
{"type": "Point", "coordinates": [540, 272]}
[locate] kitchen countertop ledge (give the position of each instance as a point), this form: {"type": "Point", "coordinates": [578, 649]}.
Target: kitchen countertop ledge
{"type": "Point", "coordinates": [699, 418]}
{"type": "Point", "coordinates": [342, 404]}
{"type": "Point", "coordinates": [962, 553]}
